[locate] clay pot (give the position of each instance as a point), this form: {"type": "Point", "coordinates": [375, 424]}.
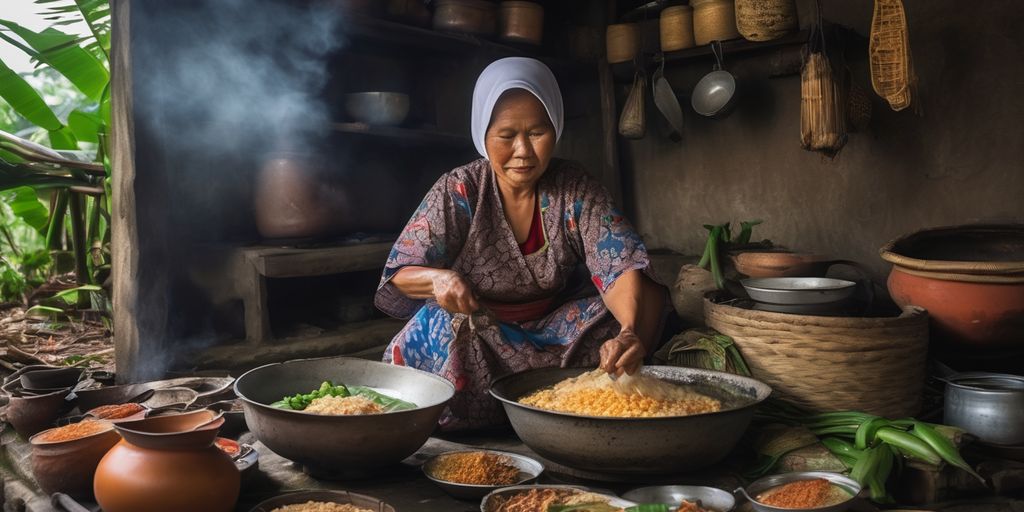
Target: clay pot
{"type": "Point", "coordinates": [969, 278]}
{"type": "Point", "coordinates": [780, 264]}
{"type": "Point", "coordinates": [168, 464]}
{"type": "Point", "coordinates": [31, 414]}
{"type": "Point", "coordinates": [69, 466]}
{"type": "Point", "coordinates": [294, 199]}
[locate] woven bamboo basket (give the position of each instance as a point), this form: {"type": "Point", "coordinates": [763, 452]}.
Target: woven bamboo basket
{"type": "Point", "coordinates": [622, 41]}
{"type": "Point", "coordinates": [714, 20]}
{"type": "Point", "coordinates": [875, 365]}
{"type": "Point", "coordinates": [892, 65]}
{"type": "Point", "coordinates": [676, 25]}
{"type": "Point", "coordinates": [822, 109]}
{"type": "Point", "coordinates": [764, 20]}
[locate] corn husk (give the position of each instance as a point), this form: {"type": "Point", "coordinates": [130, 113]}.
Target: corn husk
{"type": "Point", "coordinates": [704, 349]}
{"type": "Point", "coordinates": [633, 122]}
{"type": "Point", "coordinates": [892, 67]}
{"type": "Point", "coordinates": [764, 20]}
{"type": "Point", "coordinates": [822, 109]}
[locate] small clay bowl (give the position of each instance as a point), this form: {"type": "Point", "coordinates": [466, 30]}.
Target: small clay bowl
{"type": "Point", "coordinates": [339, 497]}
{"type": "Point", "coordinates": [31, 414]}
{"type": "Point", "coordinates": [69, 466]}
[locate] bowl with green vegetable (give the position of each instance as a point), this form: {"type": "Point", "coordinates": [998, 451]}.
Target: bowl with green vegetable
{"type": "Point", "coordinates": [340, 416]}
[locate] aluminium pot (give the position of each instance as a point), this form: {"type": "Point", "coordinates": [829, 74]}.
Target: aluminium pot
{"type": "Point", "coordinates": [987, 405]}
{"type": "Point", "coordinates": [296, 199]}
{"type": "Point", "coordinates": [632, 446]}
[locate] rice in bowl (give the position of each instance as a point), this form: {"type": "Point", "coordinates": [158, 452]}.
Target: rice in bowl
{"type": "Point", "coordinates": [321, 506]}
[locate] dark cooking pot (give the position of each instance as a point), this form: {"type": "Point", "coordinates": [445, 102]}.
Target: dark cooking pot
{"type": "Point", "coordinates": [295, 198]}
{"type": "Point", "coordinates": [671, 444]}
{"type": "Point", "coordinates": [988, 405]}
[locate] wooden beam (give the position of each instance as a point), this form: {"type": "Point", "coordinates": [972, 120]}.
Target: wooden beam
{"type": "Point", "coordinates": [124, 228]}
{"type": "Point", "coordinates": [320, 261]}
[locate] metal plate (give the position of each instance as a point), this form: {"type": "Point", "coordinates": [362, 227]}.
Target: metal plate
{"type": "Point", "coordinates": [798, 290]}
{"type": "Point", "coordinates": [529, 470]}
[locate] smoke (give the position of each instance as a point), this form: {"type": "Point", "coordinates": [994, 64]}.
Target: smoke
{"type": "Point", "coordinates": [234, 75]}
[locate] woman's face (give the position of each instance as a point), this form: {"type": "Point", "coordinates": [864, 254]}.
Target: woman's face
{"type": "Point", "coordinates": [520, 139]}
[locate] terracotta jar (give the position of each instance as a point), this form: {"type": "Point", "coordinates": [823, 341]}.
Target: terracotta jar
{"type": "Point", "coordinates": [68, 466]}
{"type": "Point", "coordinates": [296, 199]}
{"type": "Point", "coordinates": [168, 464]}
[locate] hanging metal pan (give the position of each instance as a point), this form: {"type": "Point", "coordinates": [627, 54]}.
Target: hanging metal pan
{"type": "Point", "coordinates": [715, 94]}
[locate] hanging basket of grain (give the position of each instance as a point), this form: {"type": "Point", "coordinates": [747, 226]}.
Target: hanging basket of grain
{"type": "Point", "coordinates": [824, 363]}
{"type": "Point", "coordinates": [822, 109]}
{"type": "Point", "coordinates": [892, 66]}
{"type": "Point", "coordinates": [764, 20]}
{"type": "Point", "coordinates": [633, 120]}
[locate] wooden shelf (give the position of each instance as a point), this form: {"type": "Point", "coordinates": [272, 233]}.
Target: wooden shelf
{"type": "Point", "coordinates": [624, 70]}
{"type": "Point", "coordinates": [420, 39]}
{"type": "Point", "coordinates": [270, 261]}
{"type": "Point", "coordinates": [411, 135]}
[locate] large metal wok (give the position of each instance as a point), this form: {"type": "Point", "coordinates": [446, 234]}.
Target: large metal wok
{"type": "Point", "coordinates": [673, 444]}
{"type": "Point", "coordinates": [342, 445]}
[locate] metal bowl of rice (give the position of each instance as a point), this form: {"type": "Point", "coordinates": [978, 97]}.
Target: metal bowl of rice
{"type": "Point", "coordinates": [626, 446]}
{"type": "Point", "coordinates": [338, 445]}
{"type": "Point", "coordinates": [323, 501]}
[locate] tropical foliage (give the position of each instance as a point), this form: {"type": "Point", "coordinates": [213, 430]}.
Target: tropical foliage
{"type": "Point", "coordinates": [54, 170]}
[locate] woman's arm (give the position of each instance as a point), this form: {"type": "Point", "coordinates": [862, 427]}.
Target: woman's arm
{"type": "Point", "coordinates": [450, 290]}
{"type": "Point", "coordinates": [637, 303]}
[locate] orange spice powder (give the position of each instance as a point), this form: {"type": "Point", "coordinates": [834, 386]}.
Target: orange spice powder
{"type": "Point", "coordinates": [475, 468]}
{"type": "Point", "coordinates": [73, 431]}
{"type": "Point", "coordinates": [115, 412]}
{"type": "Point", "coordinates": [799, 494]}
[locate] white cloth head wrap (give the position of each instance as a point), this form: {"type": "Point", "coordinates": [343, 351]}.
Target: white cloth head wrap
{"type": "Point", "coordinates": [514, 73]}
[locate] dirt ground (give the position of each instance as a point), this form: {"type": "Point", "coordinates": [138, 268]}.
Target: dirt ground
{"type": "Point", "coordinates": [83, 340]}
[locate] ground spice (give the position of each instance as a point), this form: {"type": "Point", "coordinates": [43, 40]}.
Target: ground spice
{"type": "Point", "coordinates": [115, 412]}
{"type": "Point", "coordinates": [530, 501]}
{"type": "Point", "coordinates": [687, 506]}
{"type": "Point", "coordinates": [800, 494]}
{"type": "Point", "coordinates": [73, 431]}
{"type": "Point", "coordinates": [475, 468]}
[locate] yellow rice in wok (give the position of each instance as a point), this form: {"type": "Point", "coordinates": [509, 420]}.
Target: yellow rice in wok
{"type": "Point", "coordinates": [595, 394]}
{"type": "Point", "coordinates": [320, 506]}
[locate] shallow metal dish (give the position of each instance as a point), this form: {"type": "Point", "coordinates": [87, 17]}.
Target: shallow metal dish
{"type": "Point", "coordinates": [798, 290]}
{"type": "Point", "coordinates": [337, 445]}
{"type": "Point", "coordinates": [340, 497]}
{"type": "Point", "coordinates": [529, 470]}
{"type": "Point", "coordinates": [671, 444]}
{"type": "Point", "coordinates": [377, 108]}
{"type": "Point", "coordinates": [612, 500]}
{"type": "Point", "coordinates": [711, 498]}
{"type": "Point", "coordinates": [768, 482]}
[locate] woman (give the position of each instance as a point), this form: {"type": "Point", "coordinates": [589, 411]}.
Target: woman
{"type": "Point", "coordinates": [483, 264]}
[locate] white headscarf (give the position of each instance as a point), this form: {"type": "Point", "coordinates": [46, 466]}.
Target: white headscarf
{"type": "Point", "coordinates": [513, 73]}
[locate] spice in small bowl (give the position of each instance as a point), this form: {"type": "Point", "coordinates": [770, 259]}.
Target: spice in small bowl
{"type": "Point", "coordinates": [817, 491]}
{"type": "Point", "coordinates": [474, 473]}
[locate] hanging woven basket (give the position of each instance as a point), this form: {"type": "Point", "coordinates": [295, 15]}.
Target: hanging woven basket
{"type": "Point", "coordinates": [822, 109]}
{"type": "Point", "coordinates": [892, 66]}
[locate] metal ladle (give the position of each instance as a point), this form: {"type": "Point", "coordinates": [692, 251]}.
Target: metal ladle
{"type": "Point", "coordinates": [715, 94]}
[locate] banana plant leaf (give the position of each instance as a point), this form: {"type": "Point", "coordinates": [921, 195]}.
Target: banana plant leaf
{"type": "Point", "coordinates": [71, 296]}
{"type": "Point", "coordinates": [95, 13]}
{"type": "Point", "coordinates": [86, 126]}
{"type": "Point", "coordinates": [63, 139]}
{"type": "Point", "coordinates": [62, 52]}
{"type": "Point", "coordinates": [389, 403]}
{"type": "Point", "coordinates": [26, 205]}
{"type": "Point", "coordinates": [25, 100]}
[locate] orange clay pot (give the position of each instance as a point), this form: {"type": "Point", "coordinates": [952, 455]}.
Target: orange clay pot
{"type": "Point", "coordinates": [969, 278]}
{"type": "Point", "coordinates": [68, 466]}
{"type": "Point", "coordinates": [168, 464]}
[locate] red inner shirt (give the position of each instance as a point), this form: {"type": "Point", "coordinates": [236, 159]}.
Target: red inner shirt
{"type": "Point", "coordinates": [535, 240]}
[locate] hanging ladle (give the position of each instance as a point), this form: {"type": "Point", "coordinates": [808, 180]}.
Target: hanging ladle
{"type": "Point", "coordinates": [715, 94]}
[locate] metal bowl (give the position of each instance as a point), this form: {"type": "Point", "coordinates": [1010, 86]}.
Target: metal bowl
{"type": "Point", "coordinates": [630, 446]}
{"type": "Point", "coordinates": [768, 482]}
{"type": "Point", "coordinates": [377, 108]}
{"type": "Point", "coordinates": [529, 470]}
{"type": "Point", "coordinates": [715, 94]}
{"type": "Point", "coordinates": [799, 290]}
{"type": "Point", "coordinates": [340, 497]}
{"type": "Point", "coordinates": [612, 500]}
{"type": "Point", "coordinates": [336, 445]}
{"type": "Point", "coordinates": [711, 498]}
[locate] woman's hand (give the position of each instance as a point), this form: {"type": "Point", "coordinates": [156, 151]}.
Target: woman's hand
{"type": "Point", "coordinates": [453, 293]}
{"type": "Point", "coordinates": [622, 354]}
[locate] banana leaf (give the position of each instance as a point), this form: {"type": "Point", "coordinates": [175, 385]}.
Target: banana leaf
{"type": "Point", "coordinates": [95, 14]}
{"type": "Point", "coordinates": [26, 205]}
{"type": "Point", "coordinates": [389, 403]}
{"type": "Point", "coordinates": [86, 126]}
{"type": "Point", "coordinates": [25, 100]}
{"type": "Point", "coordinates": [62, 52]}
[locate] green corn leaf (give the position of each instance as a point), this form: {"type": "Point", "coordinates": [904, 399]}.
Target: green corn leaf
{"type": "Point", "coordinates": [25, 100]}
{"type": "Point", "coordinates": [62, 52]}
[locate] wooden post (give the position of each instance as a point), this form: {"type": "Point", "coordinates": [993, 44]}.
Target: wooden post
{"type": "Point", "coordinates": [124, 229]}
{"type": "Point", "coordinates": [609, 118]}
